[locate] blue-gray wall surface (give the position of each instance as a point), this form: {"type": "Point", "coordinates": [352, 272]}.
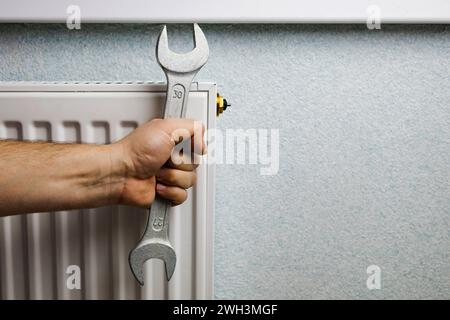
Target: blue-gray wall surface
{"type": "Point", "coordinates": [364, 120]}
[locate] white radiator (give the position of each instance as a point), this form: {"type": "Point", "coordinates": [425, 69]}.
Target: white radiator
{"type": "Point", "coordinates": [37, 249]}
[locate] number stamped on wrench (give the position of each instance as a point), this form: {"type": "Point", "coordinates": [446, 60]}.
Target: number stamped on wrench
{"type": "Point", "coordinates": [178, 92]}
{"type": "Point", "coordinates": [158, 223]}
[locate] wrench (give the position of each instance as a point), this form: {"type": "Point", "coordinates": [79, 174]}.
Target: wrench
{"type": "Point", "coordinates": [180, 70]}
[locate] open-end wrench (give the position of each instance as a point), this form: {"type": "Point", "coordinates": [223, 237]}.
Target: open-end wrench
{"type": "Point", "coordinates": [180, 70]}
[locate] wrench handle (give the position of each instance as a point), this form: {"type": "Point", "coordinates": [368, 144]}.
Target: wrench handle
{"type": "Point", "coordinates": [157, 223]}
{"type": "Point", "coordinates": [178, 87]}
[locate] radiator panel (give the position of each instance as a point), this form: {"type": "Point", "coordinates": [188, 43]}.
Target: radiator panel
{"type": "Point", "coordinates": [36, 249]}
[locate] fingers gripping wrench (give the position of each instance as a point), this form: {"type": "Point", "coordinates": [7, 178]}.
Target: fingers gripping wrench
{"type": "Point", "coordinates": [180, 70]}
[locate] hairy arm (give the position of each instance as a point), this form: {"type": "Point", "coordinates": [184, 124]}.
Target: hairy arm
{"type": "Point", "coordinates": [42, 176]}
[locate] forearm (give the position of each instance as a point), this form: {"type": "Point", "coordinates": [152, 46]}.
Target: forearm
{"type": "Point", "coordinates": [39, 176]}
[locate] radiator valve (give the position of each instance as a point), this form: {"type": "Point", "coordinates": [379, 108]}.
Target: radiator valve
{"type": "Point", "coordinates": [222, 104]}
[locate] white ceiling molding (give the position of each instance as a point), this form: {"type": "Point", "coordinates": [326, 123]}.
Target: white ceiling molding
{"type": "Point", "coordinates": [228, 11]}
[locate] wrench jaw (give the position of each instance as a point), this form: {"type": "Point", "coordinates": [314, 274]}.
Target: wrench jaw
{"type": "Point", "coordinates": [189, 62]}
{"type": "Point", "coordinates": [201, 43]}
{"type": "Point", "coordinates": [146, 251]}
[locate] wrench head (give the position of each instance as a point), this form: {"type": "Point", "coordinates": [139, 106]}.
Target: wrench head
{"type": "Point", "coordinates": [152, 250]}
{"type": "Point", "coordinates": [182, 62]}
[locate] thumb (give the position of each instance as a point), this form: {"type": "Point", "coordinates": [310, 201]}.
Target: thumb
{"type": "Point", "coordinates": [183, 130]}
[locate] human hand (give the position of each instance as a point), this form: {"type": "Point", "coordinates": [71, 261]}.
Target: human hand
{"type": "Point", "coordinates": [142, 161]}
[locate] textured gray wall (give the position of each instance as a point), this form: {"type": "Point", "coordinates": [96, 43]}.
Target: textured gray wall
{"type": "Point", "coordinates": [364, 119]}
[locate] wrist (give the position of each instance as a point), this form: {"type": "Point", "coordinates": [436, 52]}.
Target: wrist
{"type": "Point", "coordinates": [119, 170]}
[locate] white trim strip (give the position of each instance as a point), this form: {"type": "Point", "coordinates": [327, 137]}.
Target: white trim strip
{"type": "Point", "coordinates": [231, 11]}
